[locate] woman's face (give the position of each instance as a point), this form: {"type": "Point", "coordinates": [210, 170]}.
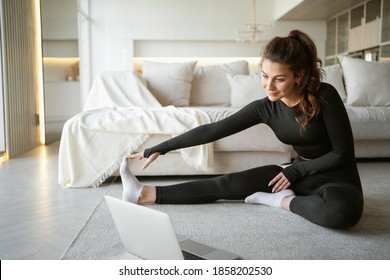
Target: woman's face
{"type": "Point", "coordinates": [279, 82]}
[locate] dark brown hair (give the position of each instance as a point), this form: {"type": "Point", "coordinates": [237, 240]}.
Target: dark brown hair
{"type": "Point", "coordinates": [299, 52]}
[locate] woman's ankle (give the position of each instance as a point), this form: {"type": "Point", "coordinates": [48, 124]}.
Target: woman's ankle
{"type": "Point", "coordinates": [285, 203]}
{"type": "Point", "coordinates": [148, 195]}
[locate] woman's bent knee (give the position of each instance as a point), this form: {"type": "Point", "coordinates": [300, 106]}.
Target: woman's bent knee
{"type": "Point", "coordinates": [334, 207]}
{"type": "Point", "coordinates": [344, 206]}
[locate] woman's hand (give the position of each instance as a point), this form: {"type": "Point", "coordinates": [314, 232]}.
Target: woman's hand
{"type": "Point", "coordinates": [140, 156]}
{"type": "Point", "coordinates": [281, 183]}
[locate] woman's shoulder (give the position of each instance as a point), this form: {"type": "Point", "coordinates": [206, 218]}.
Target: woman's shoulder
{"type": "Point", "coordinates": [261, 108]}
{"type": "Point", "coordinates": [264, 104]}
{"type": "Point", "coordinates": [260, 102]}
{"type": "Point", "coordinates": [328, 93]}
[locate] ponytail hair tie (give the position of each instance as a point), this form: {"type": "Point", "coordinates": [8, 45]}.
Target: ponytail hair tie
{"type": "Point", "coordinates": [292, 35]}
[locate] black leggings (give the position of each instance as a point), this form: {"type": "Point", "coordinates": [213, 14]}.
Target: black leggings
{"type": "Point", "coordinates": [323, 198]}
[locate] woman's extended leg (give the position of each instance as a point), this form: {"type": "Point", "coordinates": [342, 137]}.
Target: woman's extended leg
{"type": "Point", "coordinates": [231, 186]}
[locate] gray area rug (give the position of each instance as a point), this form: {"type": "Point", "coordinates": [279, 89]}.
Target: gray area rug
{"type": "Point", "coordinates": [255, 231]}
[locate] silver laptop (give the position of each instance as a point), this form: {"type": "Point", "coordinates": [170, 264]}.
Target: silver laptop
{"type": "Point", "coordinates": [149, 234]}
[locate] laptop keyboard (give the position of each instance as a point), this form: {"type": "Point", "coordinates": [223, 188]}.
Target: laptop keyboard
{"type": "Point", "coordinates": [188, 256]}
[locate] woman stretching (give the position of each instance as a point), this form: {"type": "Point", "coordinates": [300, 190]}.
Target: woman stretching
{"type": "Point", "coordinates": [322, 184]}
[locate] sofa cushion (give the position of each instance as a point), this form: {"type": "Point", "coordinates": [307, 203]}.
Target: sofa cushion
{"type": "Point", "coordinates": [210, 86]}
{"type": "Point", "coordinates": [367, 83]}
{"type": "Point", "coordinates": [170, 83]}
{"type": "Point", "coordinates": [369, 123]}
{"type": "Point", "coordinates": [245, 89]}
{"type": "Point", "coordinates": [334, 76]}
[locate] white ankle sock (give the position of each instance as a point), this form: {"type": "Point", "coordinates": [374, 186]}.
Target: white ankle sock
{"type": "Point", "coordinates": [131, 186]}
{"type": "Point", "coordinates": [270, 199]}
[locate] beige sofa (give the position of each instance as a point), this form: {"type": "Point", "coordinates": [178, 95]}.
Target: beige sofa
{"type": "Point", "coordinates": [114, 121]}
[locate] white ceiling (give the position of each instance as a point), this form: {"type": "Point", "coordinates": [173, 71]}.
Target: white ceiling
{"type": "Point", "coordinates": [319, 9]}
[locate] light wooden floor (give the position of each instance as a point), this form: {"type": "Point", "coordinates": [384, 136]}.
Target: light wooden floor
{"type": "Point", "coordinates": [39, 219]}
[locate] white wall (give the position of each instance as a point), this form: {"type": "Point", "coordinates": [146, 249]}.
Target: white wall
{"type": "Point", "coordinates": [112, 32]}
{"type": "Point", "coordinates": [59, 19]}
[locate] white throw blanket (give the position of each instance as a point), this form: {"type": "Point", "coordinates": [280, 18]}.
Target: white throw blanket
{"type": "Point", "coordinates": [94, 142]}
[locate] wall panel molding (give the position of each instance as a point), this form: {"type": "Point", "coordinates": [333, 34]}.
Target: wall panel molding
{"type": "Point", "coordinates": [20, 76]}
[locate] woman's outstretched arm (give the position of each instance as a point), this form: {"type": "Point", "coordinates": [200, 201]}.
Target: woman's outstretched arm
{"type": "Point", "coordinates": [241, 120]}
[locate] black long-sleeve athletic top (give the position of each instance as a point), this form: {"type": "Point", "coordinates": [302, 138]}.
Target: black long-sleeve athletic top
{"type": "Point", "coordinates": [327, 140]}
